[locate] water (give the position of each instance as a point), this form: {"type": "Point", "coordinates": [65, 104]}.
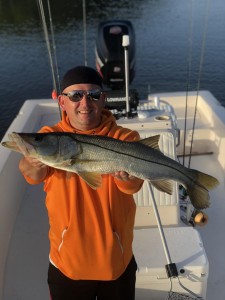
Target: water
{"type": "Point", "coordinates": [164, 46]}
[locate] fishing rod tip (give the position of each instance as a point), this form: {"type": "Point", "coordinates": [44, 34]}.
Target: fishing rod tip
{"type": "Point", "coordinates": [54, 95]}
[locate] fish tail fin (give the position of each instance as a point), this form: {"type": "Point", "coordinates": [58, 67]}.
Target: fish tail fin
{"type": "Point", "coordinates": [199, 197]}
{"type": "Point", "coordinates": [207, 181]}
{"type": "Point", "coordinates": [198, 193]}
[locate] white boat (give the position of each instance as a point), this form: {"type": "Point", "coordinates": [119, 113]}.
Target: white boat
{"type": "Point", "coordinates": [198, 252]}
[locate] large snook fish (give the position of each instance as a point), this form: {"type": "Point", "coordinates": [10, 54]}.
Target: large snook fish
{"type": "Point", "coordinates": [91, 156]}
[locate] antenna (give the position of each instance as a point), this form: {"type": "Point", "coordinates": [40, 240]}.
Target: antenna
{"type": "Point", "coordinates": [126, 44]}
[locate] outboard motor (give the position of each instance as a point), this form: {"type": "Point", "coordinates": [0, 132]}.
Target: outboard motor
{"type": "Point", "coordinates": [110, 52]}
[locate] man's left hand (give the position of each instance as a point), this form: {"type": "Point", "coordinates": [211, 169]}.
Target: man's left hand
{"type": "Point", "coordinates": [122, 175]}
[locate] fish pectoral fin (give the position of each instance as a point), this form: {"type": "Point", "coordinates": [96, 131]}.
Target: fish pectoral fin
{"type": "Point", "coordinates": [94, 180]}
{"type": "Point", "coordinates": [66, 163]}
{"type": "Point", "coordinates": [70, 162]}
{"type": "Point", "coordinates": [163, 185]}
{"type": "Point", "coordinates": [152, 141]}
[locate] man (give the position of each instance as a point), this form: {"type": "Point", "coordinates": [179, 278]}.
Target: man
{"type": "Point", "coordinates": [91, 231]}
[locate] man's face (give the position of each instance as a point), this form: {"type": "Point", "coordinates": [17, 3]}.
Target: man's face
{"type": "Point", "coordinates": [86, 113]}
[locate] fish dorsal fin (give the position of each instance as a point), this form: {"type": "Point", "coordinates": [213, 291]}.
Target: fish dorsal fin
{"type": "Point", "coordinates": [94, 180]}
{"type": "Point", "coordinates": [165, 186]}
{"type": "Point", "coordinates": [152, 141]}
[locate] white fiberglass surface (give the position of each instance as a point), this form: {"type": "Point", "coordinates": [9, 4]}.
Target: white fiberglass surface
{"type": "Point", "coordinates": [26, 274]}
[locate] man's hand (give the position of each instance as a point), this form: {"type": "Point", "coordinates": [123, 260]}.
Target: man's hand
{"type": "Point", "coordinates": [124, 176]}
{"type": "Point", "coordinates": [34, 162]}
{"type": "Point", "coordinates": [33, 168]}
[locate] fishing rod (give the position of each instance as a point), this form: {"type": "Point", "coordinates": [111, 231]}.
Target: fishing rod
{"type": "Point", "coordinates": [199, 76]}
{"type": "Point", "coordinates": [171, 267]}
{"type": "Point", "coordinates": [203, 45]}
{"type": "Point", "coordinates": [85, 31]}
{"type": "Point", "coordinates": [188, 79]}
{"type": "Point", "coordinates": [51, 49]}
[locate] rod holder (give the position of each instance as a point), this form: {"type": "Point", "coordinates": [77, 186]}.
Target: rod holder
{"type": "Point", "coordinates": [171, 270]}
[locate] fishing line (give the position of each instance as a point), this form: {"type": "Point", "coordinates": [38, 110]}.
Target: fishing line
{"type": "Point", "coordinates": [199, 77]}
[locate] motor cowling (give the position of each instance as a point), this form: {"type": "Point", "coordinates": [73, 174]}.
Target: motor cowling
{"type": "Point", "coordinates": [110, 52]}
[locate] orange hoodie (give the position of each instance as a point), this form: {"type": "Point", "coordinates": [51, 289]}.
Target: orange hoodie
{"type": "Point", "coordinates": [91, 231]}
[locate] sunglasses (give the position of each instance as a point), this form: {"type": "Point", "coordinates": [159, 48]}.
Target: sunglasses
{"type": "Point", "coordinates": [77, 95]}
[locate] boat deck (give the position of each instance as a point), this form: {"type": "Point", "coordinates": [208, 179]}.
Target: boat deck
{"type": "Point", "coordinates": [27, 264]}
{"type": "Point", "coordinates": [25, 276]}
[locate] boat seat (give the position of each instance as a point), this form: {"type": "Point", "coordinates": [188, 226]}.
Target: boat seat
{"type": "Point", "coordinates": [168, 205]}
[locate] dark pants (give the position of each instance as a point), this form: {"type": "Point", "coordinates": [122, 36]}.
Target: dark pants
{"type": "Point", "coordinates": [64, 288]}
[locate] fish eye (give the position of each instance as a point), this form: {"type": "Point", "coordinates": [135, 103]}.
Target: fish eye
{"type": "Point", "coordinates": [38, 137]}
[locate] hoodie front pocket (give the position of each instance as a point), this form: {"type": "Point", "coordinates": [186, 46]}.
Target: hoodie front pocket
{"type": "Point", "coordinates": [62, 238]}
{"type": "Point", "coordinates": [118, 238]}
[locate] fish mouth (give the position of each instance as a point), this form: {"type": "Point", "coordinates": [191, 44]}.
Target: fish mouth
{"type": "Point", "coordinates": [23, 146]}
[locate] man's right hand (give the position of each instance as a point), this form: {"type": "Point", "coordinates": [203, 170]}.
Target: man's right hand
{"type": "Point", "coordinates": [34, 162]}
{"type": "Point", "coordinates": [33, 168]}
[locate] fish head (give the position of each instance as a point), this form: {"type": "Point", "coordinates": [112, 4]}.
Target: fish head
{"type": "Point", "coordinates": [47, 147]}
{"type": "Point", "coordinates": [33, 144]}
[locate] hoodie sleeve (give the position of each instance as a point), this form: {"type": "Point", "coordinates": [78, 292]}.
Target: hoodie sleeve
{"type": "Point", "coordinates": [34, 182]}
{"type": "Point", "coordinates": [129, 187]}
